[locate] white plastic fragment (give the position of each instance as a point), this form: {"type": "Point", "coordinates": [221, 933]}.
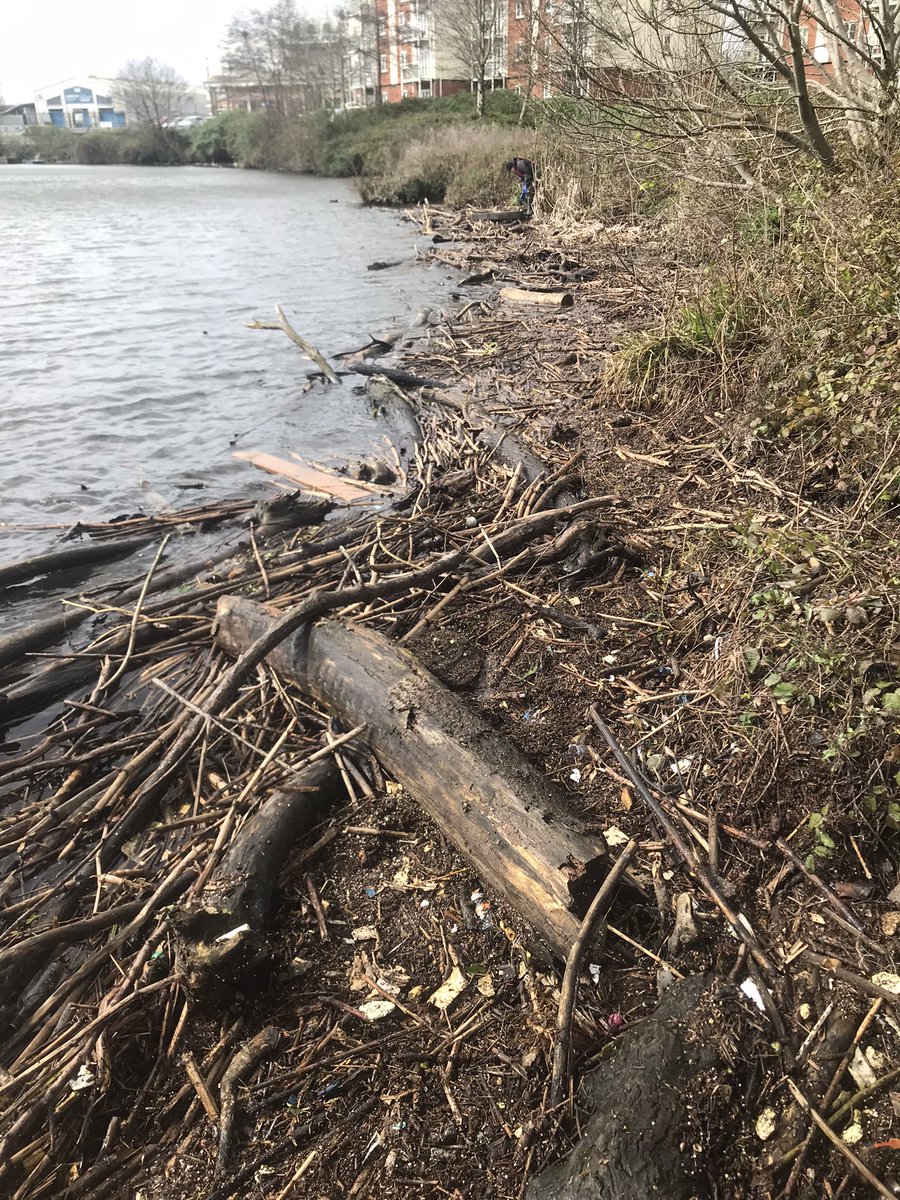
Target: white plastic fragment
{"type": "Point", "coordinates": [853, 1133]}
{"type": "Point", "coordinates": [232, 933]}
{"type": "Point", "coordinates": [862, 1074]}
{"type": "Point", "coordinates": [889, 982]}
{"type": "Point", "coordinates": [614, 836]}
{"type": "Point", "coordinates": [365, 933]}
{"type": "Point", "coordinates": [752, 992]}
{"type": "Point", "coordinates": [765, 1124]}
{"type": "Point", "coordinates": [449, 990]}
{"type": "Point", "coordinates": [84, 1079]}
{"type": "Point", "coordinates": [374, 1010]}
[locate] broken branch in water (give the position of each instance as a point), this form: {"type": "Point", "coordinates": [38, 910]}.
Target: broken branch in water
{"type": "Point", "coordinates": [309, 351]}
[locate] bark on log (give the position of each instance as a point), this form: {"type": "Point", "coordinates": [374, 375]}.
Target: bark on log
{"type": "Point", "coordinates": [666, 1084]}
{"type": "Point", "coordinates": [37, 634]}
{"type": "Point", "coordinates": [403, 378]}
{"type": "Point", "coordinates": [527, 296]}
{"type": "Point", "coordinates": [503, 814]}
{"type": "Point", "coordinates": [58, 680]}
{"type": "Point", "coordinates": [72, 558]}
{"type": "Point", "coordinates": [389, 404]}
{"type": "Point", "coordinates": [503, 216]}
{"type": "Point", "coordinates": [241, 888]}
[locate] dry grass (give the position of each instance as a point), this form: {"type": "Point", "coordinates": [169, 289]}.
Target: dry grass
{"type": "Point", "coordinates": [459, 164]}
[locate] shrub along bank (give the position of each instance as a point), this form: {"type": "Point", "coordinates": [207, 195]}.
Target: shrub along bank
{"type": "Point", "coordinates": [400, 153]}
{"type": "Point", "coordinates": [141, 146]}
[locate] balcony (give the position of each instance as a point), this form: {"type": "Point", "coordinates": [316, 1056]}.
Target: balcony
{"type": "Point", "coordinates": [409, 71]}
{"type": "Point", "coordinates": [413, 33]}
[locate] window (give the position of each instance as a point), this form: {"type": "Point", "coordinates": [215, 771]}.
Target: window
{"type": "Point", "coordinates": [820, 46]}
{"type": "Point", "coordinates": [520, 10]}
{"type": "Point", "coordinates": [852, 27]}
{"type": "Point", "coordinates": [382, 64]}
{"type": "Point", "coordinates": [404, 57]}
{"type": "Point", "coordinates": [384, 98]}
{"type": "Point", "coordinates": [382, 25]}
{"type": "Point", "coordinates": [548, 91]}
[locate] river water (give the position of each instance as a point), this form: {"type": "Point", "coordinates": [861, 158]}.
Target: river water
{"type": "Point", "coordinates": [125, 367]}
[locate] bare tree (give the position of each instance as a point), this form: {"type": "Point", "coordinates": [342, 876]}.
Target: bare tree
{"type": "Point", "coordinates": [472, 31]}
{"type": "Point", "coordinates": [725, 83]}
{"type": "Point", "coordinates": [296, 62]}
{"type": "Point", "coordinates": [153, 92]}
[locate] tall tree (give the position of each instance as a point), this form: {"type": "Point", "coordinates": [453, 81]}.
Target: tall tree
{"type": "Point", "coordinates": [473, 32]}
{"type": "Point", "coordinates": [153, 91]}
{"type": "Point", "coordinates": [295, 61]}
{"type": "Point", "coordinates": [710, 88]}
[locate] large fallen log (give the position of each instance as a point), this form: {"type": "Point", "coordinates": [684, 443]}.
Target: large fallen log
{"type": "Point", "coordinates": [501, 811]}
{"type": "Point", "coordinates": [654, 1107]}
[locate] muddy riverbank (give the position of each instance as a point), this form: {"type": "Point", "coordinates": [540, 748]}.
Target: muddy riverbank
{"type": "Point", "coordinates": [386, 1022]}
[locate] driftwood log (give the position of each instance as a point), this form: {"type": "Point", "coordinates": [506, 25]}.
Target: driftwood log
{"type": "Point", "coordinates": [222, 932]}
{"type": "Point", "coordinates": [530, 296]}
{"type": "Point", "coordinates": [37, 634]}
{"type": "Point", "coordinates": [72, 558]}
{"type": "Point", "coordinates": [646, 1137]}
{"type": "Point", "coordinates": [502, 216]}
{"type": "Point", "coordinates": [503, 814]}
{"type": "Point", "coordinates": [403, 378]}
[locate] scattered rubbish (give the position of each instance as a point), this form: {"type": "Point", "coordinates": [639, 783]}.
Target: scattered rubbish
{"type": "Point", "coordinates": [765, 1124]}
{"type": "Point", "coordinates": [575, 775]}
{"type": "Point", "coordinates": [365, 933]}
{"type": "Point", "coordinates": [862, 1074]}
{"type": "Point", "coordinates": [232, 933]}
{"type": "Point", "coordinates": [371, 892]}
{"type": "Point", "coordinates": [615, 837]}
{"type": "Point", "coordinates": [854, 1132]}
{"type": "Point", "coordinates": [752, 992]}
{"type": "Point", "coordinates": [888, 981]}
{"type": "Point", "coordinates": [372, 1146]}
{"type": "Point", "coordinates": [804, 1012]}
{"type": "Point", "coordinates": [594, 972]}
{"type": "Point", "coordinates": [615, 1022]}
{"type": "Point", "coordinates": [890, 922]}
{"type": "Point", "coordinates": [375, 1010]}
{"type": "Point", "coordinates": [84, 1079]}
{"type": "Point", "coordinates": [485, 985]}
{"type": "Point", "coordinates": [450, 990]}
{"type": "Point", "coordinates": [664, 980]}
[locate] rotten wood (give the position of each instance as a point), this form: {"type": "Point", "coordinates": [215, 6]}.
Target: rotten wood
{"type": "Point", "coordinates": [501, 812]}
{"type": "Point", "coordinates": [222, 932]}
{"type": "Point", "coordinates": [532, 296]}
{"type": "Point", "coordinates": [72, 558]}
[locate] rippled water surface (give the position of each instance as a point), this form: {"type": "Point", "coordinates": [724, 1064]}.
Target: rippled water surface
{"type": "Point", "coordinates": [125, 365]}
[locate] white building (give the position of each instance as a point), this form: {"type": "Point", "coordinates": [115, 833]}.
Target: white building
{"type": "Point", "coordinates": [82, 102]}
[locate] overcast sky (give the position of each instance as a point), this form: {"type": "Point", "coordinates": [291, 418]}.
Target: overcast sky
{"type": "Point", "coordinates": [44, 42]}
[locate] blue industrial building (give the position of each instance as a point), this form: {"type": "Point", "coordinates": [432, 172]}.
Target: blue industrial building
{"type": "Point", "coordinates": [81, 103]}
